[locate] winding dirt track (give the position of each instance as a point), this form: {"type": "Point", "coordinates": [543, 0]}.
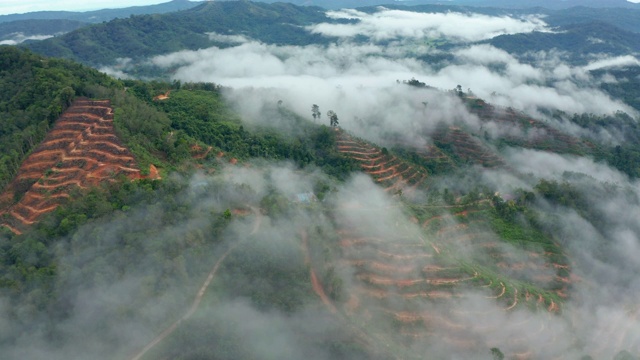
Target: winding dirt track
{"type": "Point", "coordinates": [196, 301]}
{"type": "Point", "coordinates": [317, 287]}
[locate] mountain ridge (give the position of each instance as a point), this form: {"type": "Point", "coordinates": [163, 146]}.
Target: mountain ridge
{"type": "Point", "coordinates": [98, 16]}
{"type": "Point", "coordinates": [138, 36]}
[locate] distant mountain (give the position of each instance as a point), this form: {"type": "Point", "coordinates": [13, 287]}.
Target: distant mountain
{"type": "Point", "coordinates": [623, 18]}
{"type": "Point", "coordinates": [580, 31]}
{"type": "Point", "coordinates": [548, 4]}
{"type": "Point", "coordinates": [99, 16]}
{"type": "Point", "coordinates": [507, 4]}
{"type": "Point", "coordinates": [147, 35]}
{"type": "Point", "coordinates": [577, 40]}
{"type": "Point", "coordinates": [15, 32]}
{"type": "Point", "coordinates": [621, 13]}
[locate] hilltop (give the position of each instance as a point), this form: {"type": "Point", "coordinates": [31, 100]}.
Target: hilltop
{"type": "Point", "coordinates": [147, 35]}
{"type": "Point", "coordinates": [99, 16]}
{"type": "Point", "coordinates": [577, 40]}
{"type": "Point", "coordinates": [36, 26]}
{"type": "Point", "coordinates": [581, 32]}
{"type": "Point", "coordinates": [18, 31]}
{"type": "Point", "coordinates": [81, 150]}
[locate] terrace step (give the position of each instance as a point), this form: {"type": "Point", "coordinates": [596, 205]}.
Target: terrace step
{"type": "Point", "coordinates": [81, 149]}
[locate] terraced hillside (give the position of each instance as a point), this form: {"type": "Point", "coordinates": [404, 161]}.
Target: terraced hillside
{"type": "Point", "coordinates": [424, 284]}
{"type": "Point", "coordinates": [451, 147]}
{"type": "Point", "coordinates": [538, 135]}
{"type": "Point", "coordinates": [389, 171]}
{"type": "Point", "coordinates": [412, 287]}
{"type": "Point", "coordinates": [466, 148]}
{"type": "Point", "coordinates": [81, 150]}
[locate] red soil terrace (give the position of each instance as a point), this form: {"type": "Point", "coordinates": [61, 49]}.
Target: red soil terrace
{"type": "Point", "coordinates": [539, 134]}
{"type": "Point", "coordinates": [408, 282]}
{"type": "Point", "coordinates": [387, 170]}
{"type": "Point", "coordinates": [467, 147]}
{"type": "Point", "coordinates": [80, 151]}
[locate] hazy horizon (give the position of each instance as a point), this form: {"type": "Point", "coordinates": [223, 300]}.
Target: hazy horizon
{"type": "Point", "coordinates": [10, 7]}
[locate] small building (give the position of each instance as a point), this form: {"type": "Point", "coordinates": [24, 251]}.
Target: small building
{"type": "Point", "coordinates": [305, 198]}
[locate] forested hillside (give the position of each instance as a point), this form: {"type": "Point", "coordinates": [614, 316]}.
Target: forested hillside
{"type": "Point", "coordinates": [99, 16]}
{"type": "Point", "coordinates": [378, 183]}
{"type": "Point", "coordinates": [161, 133]}
{"type": "Point", "coordinates": [21, 30]}
{"type": "Point", "coordinates": [35, 91]}
{"type": "Point", "coordinates": [147, 35]}
{"type": "Point", "coordinates": [191, 129]}
{"type": "Point", "coordinates": [577, 40]}
{"type": "Point", "coordinates": [162, 230]}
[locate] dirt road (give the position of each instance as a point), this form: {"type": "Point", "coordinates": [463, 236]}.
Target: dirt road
{"type": "Point", "coordinates": [196, 301]}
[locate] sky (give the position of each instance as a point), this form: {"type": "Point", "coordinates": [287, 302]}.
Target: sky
{"type": "Point", "coordinates": [20, 6]}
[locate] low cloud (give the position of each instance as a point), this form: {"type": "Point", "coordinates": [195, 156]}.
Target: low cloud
{"type": "Point", "coordinates": [359, 82]}
{"type": "Point", "coordinates": [388, 24]}
{"type": "Point", "coordinates": [119, 69]}
{"type": "Point", "coordinates": [553, 166]}
{"type": "Point", "coordinates": [599, 318]}
{"type": "Point", "coordinates": [596, 319]}
{"type": "Point", "coordinates": [619, 61]}
{"type": "Point", "coordinates": [110, 299]}
{"type": "Point", "coordinates": [231, 39]}
{"type": "Point", "coordinates": [19, 38]}
{"type": "Point", "coordinates": [499, 77]}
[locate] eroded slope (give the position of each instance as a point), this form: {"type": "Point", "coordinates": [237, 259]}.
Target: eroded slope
{"type": "Point", "coordinates": [81, 150]}
{"type": "Point", "coordinates": [387, 170]}
{"type": "Point", "coordinates": [429, 284]}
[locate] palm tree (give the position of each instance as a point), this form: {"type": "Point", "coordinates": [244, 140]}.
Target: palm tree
{"type": "Point", "coordinates": [333, 118]}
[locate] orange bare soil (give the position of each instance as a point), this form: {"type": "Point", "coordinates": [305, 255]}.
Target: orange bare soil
{"type": "Point", "coordinates": [468, 148]}
{"type": "Point", "coordinates": [162, 97]}
{"type": "Point", "coordinates": [197, 152]}
{"type": "Point", "coordinates": [81, 150]}
{"type": "Point", "coordinates": [386, 170]}
{"type": "Point", "coordinates": [241, 212]}
{"type": "Point", "coordinates": [540, 134]}
{"type": "Point", "coordinates": [404, 282]}
{"type": "Point", "coordinates": [153, 172]}
{"type": "Point", "coordinates": [315, 283]}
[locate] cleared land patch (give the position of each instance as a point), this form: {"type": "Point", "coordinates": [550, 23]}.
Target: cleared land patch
{"type": "Point", "coordinates": [81, 150]}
